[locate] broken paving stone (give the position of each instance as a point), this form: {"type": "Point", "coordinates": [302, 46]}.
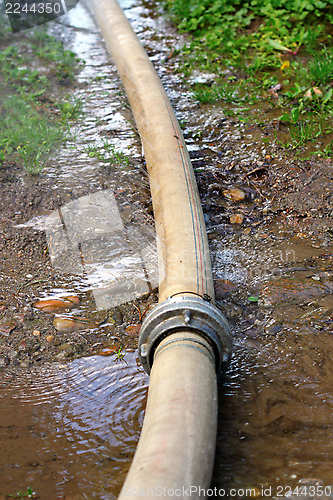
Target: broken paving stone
{"type": "Point", "coordinates": [70, 324]}
{"type": "Point", "coordinates": [57, 304]}
{"type": "Point", "coordinates": [236, 218]}
{"type": "Point", "coordinates": [234, 194]}
{"type": "Point", "coordinates": [283, 290]}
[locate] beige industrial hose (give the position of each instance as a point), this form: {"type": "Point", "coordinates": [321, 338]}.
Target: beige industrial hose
{"type": "Point", "coordinates": [180, 342]}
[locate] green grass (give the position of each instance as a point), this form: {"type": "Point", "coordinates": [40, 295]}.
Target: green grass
{"type": "Point", "coordinates": [27, 133]}
{"type": "Point", "coordinates": [107, 152]}
{"type": "Point", "coordinates": [255, 45]}
{"type": "Point", "coordinates": [33, 123]}
{"type": "Point", "coordinates": [320, 68]}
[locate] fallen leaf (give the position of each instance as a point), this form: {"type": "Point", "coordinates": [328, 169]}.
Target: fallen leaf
{"type": "Point", "coordinates": [253, 298]}
{"type": "Point", "coordinates": [315, 90]}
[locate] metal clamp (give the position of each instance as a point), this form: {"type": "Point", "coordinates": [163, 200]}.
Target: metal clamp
{"type": "Point", "coordinates": [185, 314]}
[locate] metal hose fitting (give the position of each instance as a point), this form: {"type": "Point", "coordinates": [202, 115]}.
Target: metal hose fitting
{"type": "Point", "coordinates": [190, 314]}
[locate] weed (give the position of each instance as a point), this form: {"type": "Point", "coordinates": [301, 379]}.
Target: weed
{"type": "Point", "coordinates": [320, 69]}
{"type": "Point", "coordinates": [107, 152]}
{"type": "Point", "coordinates": [50, 49]}
{"type": "Point", "coordinates": [304, 131]}
{"type": "Point", "coordinates": [120, 354]}
{"type": "Point", "coordinates": [19, 494]}
{"type": "Point", "coordinates": [70, 109]}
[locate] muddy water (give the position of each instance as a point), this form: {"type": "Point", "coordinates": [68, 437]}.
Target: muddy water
{"type": "Point", "coordinates": [70, 430]}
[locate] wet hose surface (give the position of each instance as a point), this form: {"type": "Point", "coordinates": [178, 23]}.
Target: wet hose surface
{"type": "Point", "coordinates": [170, 455]}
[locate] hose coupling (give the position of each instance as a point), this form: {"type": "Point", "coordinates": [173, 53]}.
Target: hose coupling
{"type": "Point", "coordinates": [185, 313]}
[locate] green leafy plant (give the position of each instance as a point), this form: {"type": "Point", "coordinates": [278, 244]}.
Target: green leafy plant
{"type": "Point", "coordinates": [282, 49]}
{"type": "Point", "coordinates": [120, 354]}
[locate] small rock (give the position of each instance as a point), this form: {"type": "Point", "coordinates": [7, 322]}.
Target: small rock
{"type": "Point", "coordinates": [61, 356]}
{"type": "Point", "coordinates": [68, 349]}
{"type": "Point", "coordinates": [71, 324]}
{"type": "Point", "coordinates": [57, 304]}
{"type": "Point", "coordinates": [107, 351]}
{"type": "Point", "coordinates": [132, 329]}
{"type": "Point", "coordinates": [25, 363]}
{"type": "Point", "coordinates": [12, 354]}
{"type": "Point", "coordinates": [7, 326]}
{"type": "Point", "coordinates": [36, 333]}
{"type": "Point", "coordinates": [49, 338]}
{"type": "Point", "coordinates": [117, 316]}
{"type": "Point", "coordinates": [236, 218]}
{"type": "Point", "coordinates": [4, 361]}
{"type": "Point", "coordinates": [234, 194]}
{"type": "Point", "coordinates": [231, 310]}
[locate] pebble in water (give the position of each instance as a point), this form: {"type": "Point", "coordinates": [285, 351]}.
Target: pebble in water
{"type": "Point", "coordinates": [69, 324]}
{"type": "Point", "coordinates": [57, 304]}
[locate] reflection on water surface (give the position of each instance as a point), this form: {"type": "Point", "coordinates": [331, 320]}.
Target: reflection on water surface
{"type": "Point", "coordinates": [71, 429]}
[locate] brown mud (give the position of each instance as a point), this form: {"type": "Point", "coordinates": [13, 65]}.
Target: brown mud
{"type": "Point", "coordinates": [72, 401]}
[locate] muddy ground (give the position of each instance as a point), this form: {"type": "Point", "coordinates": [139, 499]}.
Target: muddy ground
{"type": "Point", "coordinates": [281, 194]}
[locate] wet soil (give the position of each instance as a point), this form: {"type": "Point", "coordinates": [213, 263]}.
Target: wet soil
{"type": "Point", "coordinates": [68, 395]}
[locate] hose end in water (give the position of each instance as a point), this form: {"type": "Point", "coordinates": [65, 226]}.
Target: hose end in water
{"type": "Point", "coordinates": [185, 314]}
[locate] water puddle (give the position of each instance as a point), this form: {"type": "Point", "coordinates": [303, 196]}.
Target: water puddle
{"type": "Point", "coordinates": [70, 430]}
